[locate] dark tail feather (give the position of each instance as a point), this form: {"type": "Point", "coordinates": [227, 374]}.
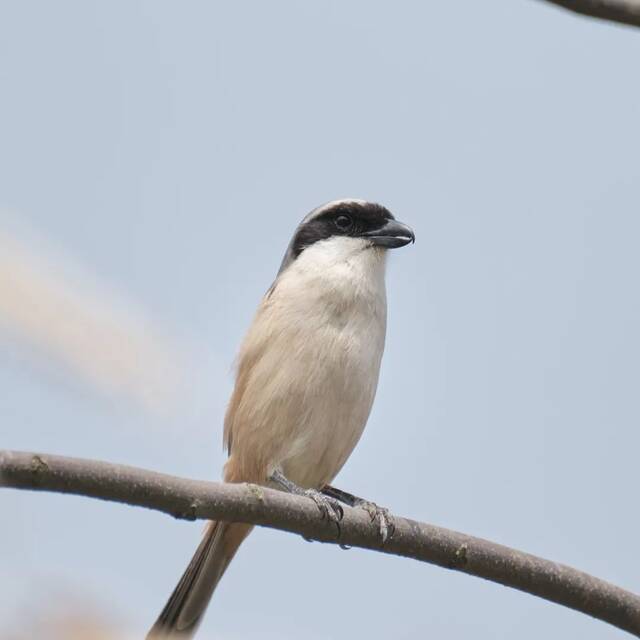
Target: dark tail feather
{"type": "Point", "coordinates": [188, 602]}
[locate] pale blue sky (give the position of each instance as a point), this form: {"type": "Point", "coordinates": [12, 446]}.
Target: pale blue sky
{"type": "Point", "coordinates": [171, 147]}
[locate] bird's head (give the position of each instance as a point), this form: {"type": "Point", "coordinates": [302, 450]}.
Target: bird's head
{"type": "Point", "coordinates": [348, 225]}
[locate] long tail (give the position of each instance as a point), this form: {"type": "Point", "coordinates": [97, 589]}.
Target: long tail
{"type": "Point", "coordinates": [188, 602]}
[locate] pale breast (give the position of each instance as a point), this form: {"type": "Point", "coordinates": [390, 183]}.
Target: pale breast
{"type": "Point", "coordinates": [335, 392]}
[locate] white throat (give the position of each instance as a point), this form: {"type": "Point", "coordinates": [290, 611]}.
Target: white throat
{"type": "Point", "coordinates": [348, 268]}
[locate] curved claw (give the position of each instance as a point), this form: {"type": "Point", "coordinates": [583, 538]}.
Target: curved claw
{"type": "Point", "coordinates": [330, 508]}
{"type": "Point", "coordinates": [386, 526]}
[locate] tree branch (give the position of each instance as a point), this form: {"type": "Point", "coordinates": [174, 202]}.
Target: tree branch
{"type": "Point", "coordinates": [621, 11]}
{"type": "Point", "coordinates": [191, 499]}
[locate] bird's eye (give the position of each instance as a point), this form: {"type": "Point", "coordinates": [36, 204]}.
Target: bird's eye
{"type": "Point", "coordinates": [344, 223]}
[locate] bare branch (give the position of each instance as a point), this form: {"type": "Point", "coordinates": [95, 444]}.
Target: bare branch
{"type": "Point", "coordinates": [621, 11]}
{"type": "Point", "coordinates": [191, 499]}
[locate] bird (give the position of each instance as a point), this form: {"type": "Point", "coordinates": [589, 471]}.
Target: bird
{"type": "Point", "coordinates": [306, 377]}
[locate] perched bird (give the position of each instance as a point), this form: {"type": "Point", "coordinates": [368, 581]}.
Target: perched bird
{"type": "Point", "coordinates": [306, 377]}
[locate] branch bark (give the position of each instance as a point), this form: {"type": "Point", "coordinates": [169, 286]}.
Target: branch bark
{"type": "Point", "coordinates": [191, 500]}
{"type": "Point", "coordinates": [621, 11]}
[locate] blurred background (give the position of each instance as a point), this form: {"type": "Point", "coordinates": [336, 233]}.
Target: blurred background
{"type": "Point", "coordinates": [155, 158]}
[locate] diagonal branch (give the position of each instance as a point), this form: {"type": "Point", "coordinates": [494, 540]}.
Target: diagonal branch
{"type": "Point", "coordinates": [622, 11]}
{"type": "Point", "coordinates": [191, 499]}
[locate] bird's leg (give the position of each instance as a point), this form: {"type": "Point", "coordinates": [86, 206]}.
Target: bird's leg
{"type": "Point", "coordinates": [329, 507]}
{"type": "Point", "coordinates": [378, 514]}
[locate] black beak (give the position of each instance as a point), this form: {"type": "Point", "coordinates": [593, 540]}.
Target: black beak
{"type": "Point", "coordinates": [392, 235]}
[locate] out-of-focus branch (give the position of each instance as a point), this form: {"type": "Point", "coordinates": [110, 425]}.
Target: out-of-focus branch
{"type": "Point", "coordinates": [191, 499]}
{"type": "Point", "coordinates": [622, 11]}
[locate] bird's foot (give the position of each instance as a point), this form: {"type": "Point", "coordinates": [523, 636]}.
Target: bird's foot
{"type": "Point", "coordinates": [381, 516]}
{"type": "Point", "coordinates": [330, 508]}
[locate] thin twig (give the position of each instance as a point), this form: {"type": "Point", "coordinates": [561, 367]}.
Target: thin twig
{"type": "Point", "coordinates": [191, 499]}
{"type": "Point", "coordinates": [621, 11]}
